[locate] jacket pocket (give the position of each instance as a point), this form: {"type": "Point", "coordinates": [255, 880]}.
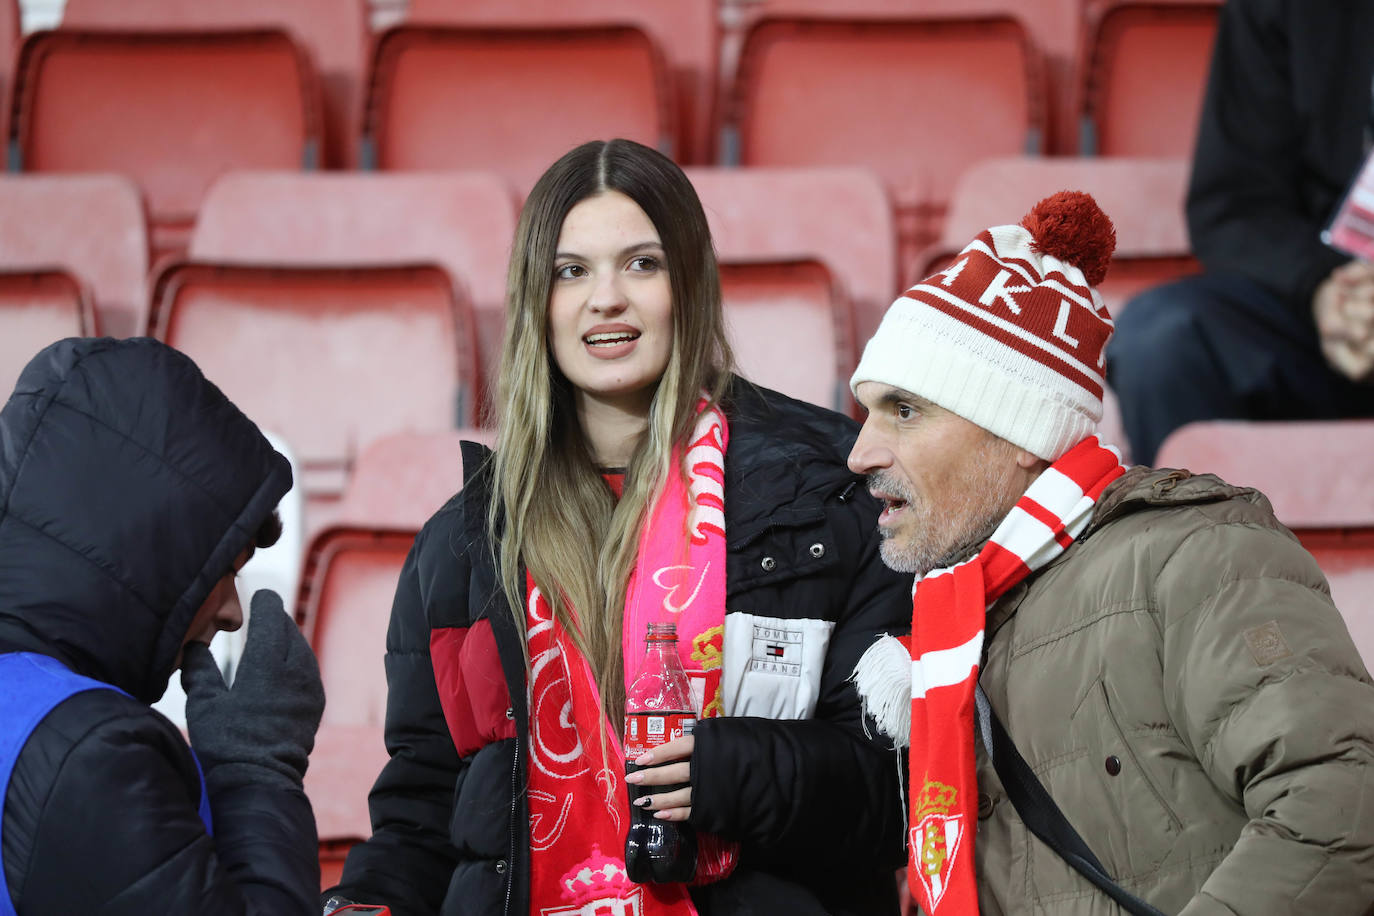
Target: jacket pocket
{"type": "Point", "coordinates": [772, 665]}
{"type": "Point", "coordinates": [1109, 795]}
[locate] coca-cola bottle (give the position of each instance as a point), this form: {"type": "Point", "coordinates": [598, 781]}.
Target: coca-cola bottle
{"type": "Point", "coordinates": [658, 708]}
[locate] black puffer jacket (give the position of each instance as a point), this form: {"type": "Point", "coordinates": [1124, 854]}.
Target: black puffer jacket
{"type": "Point", "coordinates": [813, 801]}
{"type": "Point", "coordinates": [128, 486]}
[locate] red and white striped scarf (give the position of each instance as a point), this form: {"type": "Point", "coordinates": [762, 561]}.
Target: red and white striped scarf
{"type": "Point", "coordinates": [948, 612]}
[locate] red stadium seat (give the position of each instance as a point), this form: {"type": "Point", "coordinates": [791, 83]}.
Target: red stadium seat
{"type": "Point", "coordinates": [90, 226]}
{"type": "Point", "coordinates": [328, 358]}
{"type": "Point", "coordinates": [792, 329]}
{"type": "Point", "coordinates": [1143, 197]}
{"type": "Point", "coordinates": [37, 308]}
{"type": "Point", "coordinates": [333, 31]}
{"type": "Point", "coordinates": [464, 222]}
{"type": "Point", "coordinates": [917, 99]}
{"type": "Point", "coordinates": [9, 47]}
{"type": "Point", "coordinates": [511, 100]}
{"type": "Point", "coordinates": [1320, 480]}
{"type": "Point", "coordinates": [171, 110]}
{"type": "Point", "coordinates": [399, 481]}
{"type": "Point", "coordinates": [840, 217]}
{"type": "Point", "coordinates": [1142, 73]}
{"type": "Point", "coordinates": [345, 603]}
{"type": "Point", "coordinates": [687, 33]}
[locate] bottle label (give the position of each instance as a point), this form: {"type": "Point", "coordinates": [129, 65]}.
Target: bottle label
{"type": "Point", "coordinates": [645, 731]}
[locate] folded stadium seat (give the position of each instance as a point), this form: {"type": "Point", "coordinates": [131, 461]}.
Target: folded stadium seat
{"type": "Point", "coordinates": [329, 358]}
{"type": "Point", "coordinates": [917, 99]}
{"type": "Point", "coordinates": [38, 307]}
{"type": "Point", "coordinates": [398, 482]}
{"type": "Point", "coordinates": [334, 32]}
{"type": "Point", "coordinates": [511, 99]}
{"type": "Point", "coordinates": [345, 602]}
{"type": "Point", "coordinates": [171, 110]}
{"type": "Point", "coordinates": [1141, 75]}
{"type": "Point", "coordinates": [687, 33]}
{"type": "Point", "coordinates": [9, 47]}
{"type": "Point", "coordinates": [792, 329]}
{"type": "Point", "coordinates": [840, 217]}
{"type": "Point", "coordinates": [92, 227]}
{"type": "Point", "coordinates": [462, 221]}
{"type": "Point", "coordinates": [1318, 476]}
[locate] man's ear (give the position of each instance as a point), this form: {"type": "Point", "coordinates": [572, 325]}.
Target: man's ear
{"type": "Point", "coordinates": [1027, 461]}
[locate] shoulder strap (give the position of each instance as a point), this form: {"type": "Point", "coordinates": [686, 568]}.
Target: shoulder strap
{"type": "Point", "coordinates": [1042, 816]}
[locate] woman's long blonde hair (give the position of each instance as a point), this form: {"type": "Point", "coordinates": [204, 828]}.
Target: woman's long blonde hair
{"type": "Point", "coordinates": [548, 494]}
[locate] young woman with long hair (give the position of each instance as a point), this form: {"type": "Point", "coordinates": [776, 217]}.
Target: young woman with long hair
{"type": "Point", "coordinates": [635, 480]}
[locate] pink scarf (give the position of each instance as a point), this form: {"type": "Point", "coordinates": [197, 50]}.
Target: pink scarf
{"type": "Point", "coordinates": [577, 802]}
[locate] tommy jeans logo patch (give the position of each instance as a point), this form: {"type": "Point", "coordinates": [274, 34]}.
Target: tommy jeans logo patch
{"type": "Point", "coordinates": [776, 651]}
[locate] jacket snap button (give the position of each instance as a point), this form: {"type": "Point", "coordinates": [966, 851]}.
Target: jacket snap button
{"type": "Point", "coordinates": [984, 806]}
{"type": "Point", "coordinates": [510, 712]}
{"type": "Point", "coordinates": [818, 550]}
{"type": "Point", "coordinates": [1113, 765]}
{"type": "Point", "coordinates": [769, 564]}
{"type": "Point", "coordinates": [500, 866]}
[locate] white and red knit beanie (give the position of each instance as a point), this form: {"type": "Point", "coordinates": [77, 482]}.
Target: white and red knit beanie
{"type": "Point", "coordinates": [1011, 335]}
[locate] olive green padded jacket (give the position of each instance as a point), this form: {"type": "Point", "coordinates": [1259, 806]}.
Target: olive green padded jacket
{"type": "Point", "coordinates": [1182, 684]}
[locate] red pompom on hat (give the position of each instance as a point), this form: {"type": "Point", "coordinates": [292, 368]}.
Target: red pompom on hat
{"type": "Point", "coordinates": [1071, 226]}
{"type": "Point", "coordinates": [1011, 335]}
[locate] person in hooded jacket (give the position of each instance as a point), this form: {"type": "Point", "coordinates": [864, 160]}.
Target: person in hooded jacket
{"type": "Point", "coordinates": [638, 481]}
{"type": "Point", "coordinates": [131, 492]}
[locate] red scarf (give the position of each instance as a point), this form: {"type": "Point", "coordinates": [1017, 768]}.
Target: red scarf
{"type": "Point", "coordinates": [946, 648]}
{"type": "Point", "coordinates": [578, 805]}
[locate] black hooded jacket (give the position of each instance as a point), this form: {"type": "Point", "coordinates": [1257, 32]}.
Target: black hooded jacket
{"type": "Point", "coordinates": [128, 486]}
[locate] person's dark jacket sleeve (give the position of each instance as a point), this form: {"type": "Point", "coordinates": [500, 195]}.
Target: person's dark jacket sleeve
{"type": "Point", "coordinates": [408, 861]}
{"type": "Point", "coordinates": [132, 776]}
{"type": "Point", "coordinates": [815, 793]}
{"type": "Point", "coordinates": [1257, 202]}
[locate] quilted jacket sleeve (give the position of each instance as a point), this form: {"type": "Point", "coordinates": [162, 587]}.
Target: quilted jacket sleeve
{"type": "Point", "coordinates": [1266, 686]}
{"type": "Point", "coordinates": [408, 861]}
{"type": "Point", "coordinates": [779, 785]}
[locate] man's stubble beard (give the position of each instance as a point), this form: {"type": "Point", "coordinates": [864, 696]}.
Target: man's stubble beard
{"type": "Point", "coordinates": [946, 535]}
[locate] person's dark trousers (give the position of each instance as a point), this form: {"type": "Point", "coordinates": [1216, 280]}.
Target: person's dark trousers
{"type": "Point", "coordinates": [1220, 347]}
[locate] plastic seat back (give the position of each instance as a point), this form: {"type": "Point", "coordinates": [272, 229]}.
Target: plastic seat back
{"type": "Point", "coordinates": [37, 308]}
{"type": "Point", "coordinates": [511, 100]}
{"type": "Point", "coordinates": [1319, 480]}
{"type": "Point", "coordinates": [463, 221]}
{"type": "Point", "coordinates": [1143, 72]}
{"type": "Point", "coordinates": [792, 329]}
{"type": "Point", "coordinates": [92, 227]}
{"type": "Point", "coordinates": [170, 110]}
{"type": "Point", "coordinates": [687, 33]}
{"type": "Point", "coordinates": [346, 595]}
{"type": "Point", "coordinates": [916, 100]}
{"type": "Point", "coordinates": [333, 31]}
{"type": "Point", "coordinates": [400, 480]}
{"type": "Point", "coordinates": [840, 217]}
{"type": "Point", "coordinates": [329, 358]}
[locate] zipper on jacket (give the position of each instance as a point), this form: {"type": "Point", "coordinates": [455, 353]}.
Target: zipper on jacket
{"type": "Point", "coordinates": [514, 804]}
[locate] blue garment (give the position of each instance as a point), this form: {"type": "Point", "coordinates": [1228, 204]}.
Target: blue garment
{"type": "Point", "coordinates": [33, 686]}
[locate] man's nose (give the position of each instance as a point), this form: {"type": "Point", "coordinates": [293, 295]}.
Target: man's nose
{"type": "Point", "coordinates": [869, 453]}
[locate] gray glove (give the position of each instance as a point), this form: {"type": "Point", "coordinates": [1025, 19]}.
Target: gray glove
{"type": "Point", "coordinates": [263, 728]}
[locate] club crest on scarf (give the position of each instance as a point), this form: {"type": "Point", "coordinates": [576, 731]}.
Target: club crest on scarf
{"type": "Point", "coordinates": [936, 838]}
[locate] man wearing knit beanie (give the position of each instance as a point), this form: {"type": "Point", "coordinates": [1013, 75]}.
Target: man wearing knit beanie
{"type": "Point", "coordinates": [1161, 652]}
